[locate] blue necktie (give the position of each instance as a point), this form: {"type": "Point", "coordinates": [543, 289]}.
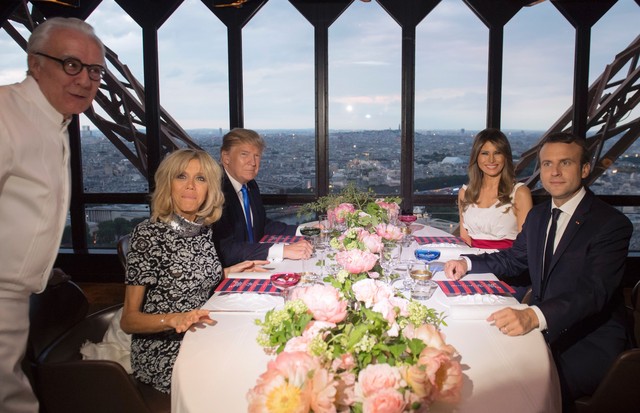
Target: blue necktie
{"type": "Point", "coordinates": [247, 211]}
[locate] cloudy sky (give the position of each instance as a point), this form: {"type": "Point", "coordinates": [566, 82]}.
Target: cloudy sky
{"type": "Point", "coordinates": [364, 53]}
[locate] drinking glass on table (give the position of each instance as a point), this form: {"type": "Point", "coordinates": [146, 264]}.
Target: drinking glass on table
{"type": "Point", "coordinates": [326, 227]}
{"type": "Point", "coordinates": [423, 286]}
{"type": "Point", "coordinates": [310, 234]}
{"type": "Point", "coordinates": [389, 258]}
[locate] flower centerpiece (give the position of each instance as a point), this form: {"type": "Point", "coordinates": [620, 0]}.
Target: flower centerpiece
{"type": "Point", "coordinates": [351, 344]}
{"type": "Point", "coordinates": [354, 346]}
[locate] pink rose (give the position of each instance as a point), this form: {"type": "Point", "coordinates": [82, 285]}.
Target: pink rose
{"type": "Point", "coordinates": [418, 381]}
{"type": "Point", "coordinates": [389, 232]}
{"type": "Point", "coordinates": [323, 392]}
{"type": "Point", "coordinates": [388, 311]}
{"type": "Point", "coordinates": [393, 209]}
{"type": "Point", "coordinates": [344, 362]}
{"type": "Point", "coordinates": [384, 401]}
{"type": "Point", "coordinates": [356, 261]}
{"type": "Point", "coordinates": [371, 291]}
{"type": "Point", "coordinates": [345, 396]}
{"type": "Point", "coordinates": [324, 302]}
{"type": "Point", "coordinates": [375, 378]}
{"type": "Point", "coordinates": [300, 343]}
{"type": "Point", "coordinates": [444, 374]}
{"type": "Point", "coordinates": [373, 242]}
{"type": "Point", "coordinates": [431, 337]}
{"type": "Point", "coordinates": [402, 304]}
{"type": "Point", "coordinates": [341, 211]}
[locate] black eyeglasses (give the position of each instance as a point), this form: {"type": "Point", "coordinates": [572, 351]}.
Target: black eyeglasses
{"type": "Point", "coordinates": [73, 66]}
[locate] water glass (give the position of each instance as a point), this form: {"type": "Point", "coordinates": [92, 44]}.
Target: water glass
{"type": "Point", "coordinates": [423, 287]}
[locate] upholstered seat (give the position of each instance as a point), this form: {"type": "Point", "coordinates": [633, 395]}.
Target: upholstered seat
{"type": "Point", "coordinates": [51, 313]}
{"type": "Point", "coordinates": [618, 390]}
{"type": "Point", "coordinates": [69, 384]}
{"type": "Point", "coordinates": [123, 248]}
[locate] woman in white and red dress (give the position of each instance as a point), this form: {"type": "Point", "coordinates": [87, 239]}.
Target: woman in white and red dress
{"type": "Point", "coordinates": [493, 206]}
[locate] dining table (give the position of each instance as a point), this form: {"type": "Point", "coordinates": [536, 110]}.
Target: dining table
{"type": "Point", "coordinates": [218, 364]}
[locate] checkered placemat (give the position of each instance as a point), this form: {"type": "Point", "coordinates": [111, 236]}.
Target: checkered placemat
{"type": "Point", "coordinates": [275, 239]}
{"type": "Point", "coordinates": [439, 240]}
{"type": "Point", "coordinates": [246, 285]}
{"type": "Point", "coordinates": [462, 287]}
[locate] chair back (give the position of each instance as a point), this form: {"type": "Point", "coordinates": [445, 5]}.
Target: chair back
{"type": "Point", "coordinates": [123, 249]}
{"type": "Point", "coordinates": [53, 312]}
{"type": "Point", "coordinates": [616, 393]}
{"type": "Point", "coordinates": [635, 305]}
{"type": "Point", "coordinates": [68, 384]}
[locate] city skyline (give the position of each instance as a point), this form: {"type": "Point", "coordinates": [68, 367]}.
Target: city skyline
{"type": "Point", "coordinates": [364, 68]}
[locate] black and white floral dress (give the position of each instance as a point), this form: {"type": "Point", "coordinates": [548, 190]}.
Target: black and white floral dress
{"type": "Point", "coordinates": [178, 264]}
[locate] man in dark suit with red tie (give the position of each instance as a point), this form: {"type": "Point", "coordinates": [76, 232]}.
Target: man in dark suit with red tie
{"type": "Point", "coordinates": [244, 220]}
{"type": "Point", "coordinates": [577, 302]}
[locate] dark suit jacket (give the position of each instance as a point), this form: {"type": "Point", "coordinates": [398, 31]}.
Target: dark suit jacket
{"type": "Point", "coordinates": [581, 298]}
{"type": "Point", "coordinates": [230, 232]}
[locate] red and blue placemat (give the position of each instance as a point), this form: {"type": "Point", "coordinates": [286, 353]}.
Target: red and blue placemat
{"type": "Point", "coordinates": [246, 285]}
{"type": "Point", "coordinates": [464, 287]}
{"type": "Point", "coordinates": [439, 240]}
{"type": "Point", "coordinates": [275, 239]}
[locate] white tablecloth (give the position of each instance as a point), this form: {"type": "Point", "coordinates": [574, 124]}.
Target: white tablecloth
{"type": "Point", "coordinates": [217, 365]}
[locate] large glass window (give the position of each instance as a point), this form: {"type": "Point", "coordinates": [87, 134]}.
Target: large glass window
{"type": "Point", "coordinates": [105, 167]}
{"type": "Point", "coordinates": [106, 224]}
{"type": "Point", "coordinates": [278, 77]}
{"type": "Point", "coordinates": [364, 99]}
{"type": "Point", "coordinates": [193, 70]}
{"type": "Point", "coordinates": [451, 95]}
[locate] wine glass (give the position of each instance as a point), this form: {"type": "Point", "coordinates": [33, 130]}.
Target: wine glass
{"type": "Point", "coordinates": [389, 257]}
{"type": "Point", "coordinates": [310, 234]}
{"type": "Point", "coordinates": [407, 220]}
{"type": "Point", "coordinates": [285, 282]}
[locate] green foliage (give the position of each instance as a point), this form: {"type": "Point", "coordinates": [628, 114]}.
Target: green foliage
{"type": "Point", "coordinates": [349, 194]}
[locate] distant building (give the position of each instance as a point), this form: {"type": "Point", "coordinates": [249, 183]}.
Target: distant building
{"type": "Point", "coordinates": [454, 160]}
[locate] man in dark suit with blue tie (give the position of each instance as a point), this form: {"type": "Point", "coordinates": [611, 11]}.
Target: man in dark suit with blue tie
{"type": "Point", "coordinates": [244, 220]}
{"type": "Point", "coordinates": [577, 302]}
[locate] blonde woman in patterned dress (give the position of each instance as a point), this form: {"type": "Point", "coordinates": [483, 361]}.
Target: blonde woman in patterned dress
{"type": "Point", "coordinates": [172, 264]}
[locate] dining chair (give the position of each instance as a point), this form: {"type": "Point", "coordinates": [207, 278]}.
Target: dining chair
{"type": "Point", "coordinates": [52, 312]}
{"type": "Point", "coordinates": [123, 248]}
{"type": "Point", "coordinates": [617, 390]}
{"type": "Point", "coordinates": [635, 306]}
{"type": "Point", "coordinates": [68, 384]}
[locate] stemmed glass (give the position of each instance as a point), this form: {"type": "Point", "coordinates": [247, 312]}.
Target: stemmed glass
{"type": "Point", "coordinates": [389, 257]}
{"type": "Point", "coordinates": [310, 234]}
{"type": "Point", "coordinates": [407, 220]}
{"type": "Point", "coordinates": [321, 247]}
{"type": "Point", "coordinates": [285, 282]}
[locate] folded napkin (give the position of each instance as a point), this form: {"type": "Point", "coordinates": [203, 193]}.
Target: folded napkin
{"type": "Point", "coordinates": [275, 239]}
{"type": "Point", "coordinates": [242, 285]}
{"type": "Point", "coordinates": [115, 345]}
{"type": "Point", "coordinates": [478, 312]}
{"type": "Point", "coordinates": [439, 240]}
{"type": "Point", "coordinates": [463, 287]}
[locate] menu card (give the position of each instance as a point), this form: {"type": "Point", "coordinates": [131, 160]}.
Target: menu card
{"type": "Point", "coordinates": [464, 287]}
{"type": "Point", "coordinates": [439, 240]}
{"type": "Point", "coordinates": [274, 239]}
{"type": "Point", "coordinates": [246, 285]}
